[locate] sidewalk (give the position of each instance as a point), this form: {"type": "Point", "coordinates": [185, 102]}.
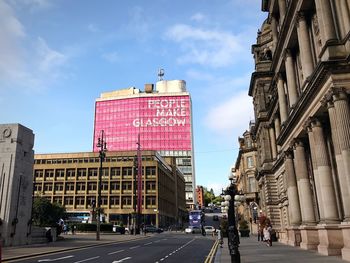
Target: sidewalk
{"type": "Point", "coordinates": [70, 242]}
{"type": "Point", "coordinates": [254, 251]}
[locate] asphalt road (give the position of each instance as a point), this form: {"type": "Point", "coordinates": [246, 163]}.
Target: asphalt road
{"type": "Point", "coordinates": [168, 247]}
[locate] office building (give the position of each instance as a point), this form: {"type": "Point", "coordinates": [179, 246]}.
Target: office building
{"type": "Point", "coordinates": [71, 179]}
{"type": "Point", "coordinates": [159, 120]}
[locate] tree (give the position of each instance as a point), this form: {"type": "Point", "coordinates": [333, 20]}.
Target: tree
{"type": "Point", "coordinates": [209, 196]}
{"type": "Point", "coordinates": [45, 213]}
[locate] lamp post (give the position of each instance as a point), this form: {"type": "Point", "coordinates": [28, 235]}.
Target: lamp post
{"type": "Point", "coordinates": [231, 193]}
{"type": "Point", "coordinates": [103, 148]}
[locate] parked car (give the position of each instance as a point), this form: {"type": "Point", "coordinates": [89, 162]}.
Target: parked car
{"type": "Point", "coordinates": [193, 230]}
{"type": "Point", "coordinates": [152, 229]}
{"type": "Point", "coordinates": [209, 230]}
{"type": "Point", "coordinates": [119, 229]}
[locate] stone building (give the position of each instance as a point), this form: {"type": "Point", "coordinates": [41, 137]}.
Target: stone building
{"type": "Point", "coordinates": [245, 171]}
{"type": "Point", "coordinates": [16, 188]}
{"type": "Point", "coordinates": [71, 179]}
{"type": "Point", "coordinates": [300, 91]}
{"type": "Point", "coordinates": [200, 196]}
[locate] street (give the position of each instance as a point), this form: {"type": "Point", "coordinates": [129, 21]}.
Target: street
{"type": "Point", "coordinates": [174, 247]}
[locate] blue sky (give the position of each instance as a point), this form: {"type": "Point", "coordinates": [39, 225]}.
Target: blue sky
{"type": "Point", "coordinates": [56, 57]}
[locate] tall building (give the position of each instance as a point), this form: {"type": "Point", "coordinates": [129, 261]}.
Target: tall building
{"type": "Point", "coordinates": [200, 196]}
{"type": "Point", "coordinates": [300, 91]}
{"type": "Point", "coordinates": [71, 179]}
{"type": "Point", "coordinates": [16, 188]}
{"type": "Point", "coordinates": [245, 171]}
{"type": "Point", "coordinates": [159, 120]}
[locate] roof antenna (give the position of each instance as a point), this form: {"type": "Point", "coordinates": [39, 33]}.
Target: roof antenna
{"type": "Point", "coordinates": [160, 74]}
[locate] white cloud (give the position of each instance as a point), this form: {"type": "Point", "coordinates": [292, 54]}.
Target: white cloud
{"type": "Point", "coordinates": [198, 17]}
{"type": "Point", "coordinates": [231, 118]}
{"type": "Point", "coordinates": [206, 47]}
{"type": "Point", "coordinates": [49, 59]}
{"type": "Point", "coordinates": [93, 28]}
{"type": "Point", "coordinates": [11, 32]}
{"type": "Point", "coordinates": [111, 57]}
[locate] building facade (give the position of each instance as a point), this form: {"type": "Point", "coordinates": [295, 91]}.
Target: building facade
{"type": "Point", "coordinates": [200, 196]}
{"type": "Point", "coordinates": [159, 120]}
{"type": "Point", "coordinates": [245, 171]}
{"type": "Point", "coordinates": [300, 91]}
{"type": "Point", "coordinates": [16, 188]}
{"type": "Point", "coordinates": [72, 180]}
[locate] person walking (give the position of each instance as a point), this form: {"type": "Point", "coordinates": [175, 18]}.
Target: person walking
{"type": "Point", "coordinates": [220, 237]}
{"type": "Point", "coordinates": [267, 235]}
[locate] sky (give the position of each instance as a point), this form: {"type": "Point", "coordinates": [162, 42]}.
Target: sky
{"type": "Point", "coordinates": [58, 56]}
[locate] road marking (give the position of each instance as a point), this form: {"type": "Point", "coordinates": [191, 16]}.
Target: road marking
{"type": "Point", "coordinates": [116, 252]}
{"type": "Point", "coordinates": [148, 244]}
{"type": "Point", "coordinates": [157, 241]}
{"type": "Point", "coordinates": [118, 261]}
{"type": "Point", "coordinates": [86, 259]}
{"type": "Point", "coordinates": [134, 247]}
{"type": "Point", "coordinates": [173, 252]}
{"type": "Point", "coordinates": [50, 260]}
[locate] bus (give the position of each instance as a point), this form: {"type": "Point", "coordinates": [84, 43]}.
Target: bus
{"type": "Point", "coordinates": [77, 216]}
{"type": "Point", "coordinates": [196, 218]}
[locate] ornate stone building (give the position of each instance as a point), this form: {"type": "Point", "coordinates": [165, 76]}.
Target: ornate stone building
{"type": "Point", "coordinates": [245, 171]}
{"type": "Point", "coordinates": [300, 91]}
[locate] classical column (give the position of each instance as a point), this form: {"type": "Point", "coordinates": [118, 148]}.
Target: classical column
{"type": "Point", "coordinates": [291, 78]}
{"type": "Point", "coordinates": [292, 190]}
{"type": "Point", "coordinates": [315, 171]}
{"type": "Point", "coordinates": [282, 101]}
{"type": "Point", "coordinates": [342, 111]}
{"type": "Point", "coordinates": [325, 20]}
{"type": "Point", "coordinates": [324, 173]}
{"type": "Point", "coordinates": [273, 141]}
{"type": "Point", "coordinates": [304, 46]}
{"type": "Point", "coordinates": [304, 185]}
{"type": "Point", "coordinates": [274, 29]}
{"type": "Point", "coordinates": [282, 8]}
{"type": "Point", "coordinates": [343, 182]}
{"type": "Point", "coordinates": [343, 11]}
{"type": "Point", "coordinates": [277, 131]}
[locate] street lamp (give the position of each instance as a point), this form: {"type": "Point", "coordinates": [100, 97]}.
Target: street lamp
{"type": "Point", "coordinates": [103, 148]}
{"type": "Point", "coordinates": [233, 238]}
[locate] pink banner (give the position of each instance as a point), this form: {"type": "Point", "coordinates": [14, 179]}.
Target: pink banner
{"type": "Point", "coordinates": [163, 122]}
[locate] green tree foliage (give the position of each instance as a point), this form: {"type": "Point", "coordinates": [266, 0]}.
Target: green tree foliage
{"type": "Point", "coordinates": [45, 213]}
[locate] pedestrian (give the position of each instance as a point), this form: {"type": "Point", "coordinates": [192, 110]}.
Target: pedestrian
{"type": "Point", "coordinates": [260, 235]}
{"type": "Point", "coordinates": [220, 237]}
{"type": "Point", "coordinates": [73, 229]}
{"type": "Point", "coordinates": [267, 235]}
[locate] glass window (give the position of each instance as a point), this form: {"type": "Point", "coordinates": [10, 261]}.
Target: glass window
{"type": "Point", "coordinates": [250, 162]}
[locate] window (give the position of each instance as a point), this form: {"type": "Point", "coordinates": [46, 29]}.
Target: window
{"type": "Point", "coordinates": [104, 200]}
{"type": "Point", "coordinates": [251, 184]}
{"type": "Point", "coordinates": [114, 200]}
{"type": "Point", "coordinates": [105, 172]}
{"type": "Point", "coordinates": [250, 162]}
{"type": "Point", "coordinates": [48, 187]}
{"type": "Point", "coordinates": [38, 187]}
{"type": "Point", "coordinates": [151, 185]}
{"type": "Point", "coordinates": [68, 200]}
{"type": "Point", "coordinates": [92, 186]}
{"type": "Point", "coordinates": [150, 200]}
{"type": "Point", "coordinates": [127, 171]}
{"type": "Point", "coordinates": [60, 173]}
{"type": "Point", "coordinates": [80, 200]}
{"type": "Point", "coordinates": [81, 172]}
{"type": "Point", "coordinates": [57, 200]}
{"type": "Point", "coordinates": [151, 170]}
{"type": "Point", "coordinates": [70, 172]}
{"type": "Point", "coordinates": [59, 187]}
{"type": "Point", "coordinates": [49, 173]}
{"type": "Point", "coordinates": [80, 186]}
{"type": "Point", "coordinates": [104, 186]}
{"type": "Point", "coordinates": [115, 171]}
{"type": "Point", "coordinates": [90, 201]}
{"type": "Point", "coordinates": [92, 172]}
{"type": "Point", "coordinates": [38, 173]}
{"type": "Point", "coordinates": [70, 187]}
{"type": "Point", "coordinates": [115, 186]}
{"type": "Point", "coordinates": [126, 200]}
{"type": "Point", "coordinates": [127, 186]}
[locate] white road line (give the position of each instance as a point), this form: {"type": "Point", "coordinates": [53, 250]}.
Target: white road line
{"type": "Point", "coordinates": [121, 260]}
{"type": "Point", "coordinates": [86, 259]}
{"type": "Point", "coordinates": [134, 247]}
{"type": "Point", "coordinates": [50, 260]}
{"type": "Point", "coordinates": [116, 252]}
{"type": "Point", "coordinates": [157, 241]}
{"type": "Point", "coordinates": [148, 244]}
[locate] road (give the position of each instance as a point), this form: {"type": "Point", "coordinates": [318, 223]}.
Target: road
{"type": "Point", "coordinates": [164, 247]}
